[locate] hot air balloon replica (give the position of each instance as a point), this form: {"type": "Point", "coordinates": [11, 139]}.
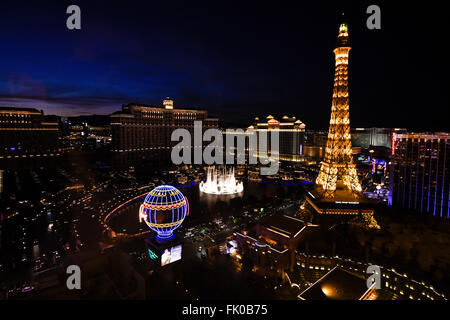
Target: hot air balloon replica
{"type": "Point", "coordinates": [164, 210]}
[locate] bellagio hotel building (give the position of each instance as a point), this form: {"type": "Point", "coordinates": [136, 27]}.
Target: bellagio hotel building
{"type": "Point", "coordinates": [148, 128]}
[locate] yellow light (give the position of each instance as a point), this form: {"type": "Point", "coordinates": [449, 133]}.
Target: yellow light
{"type": "Point", "coordinates": [328, 291]}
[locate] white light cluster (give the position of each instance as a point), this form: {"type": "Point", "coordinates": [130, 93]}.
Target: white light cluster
{"type": "Point", "coordinates": [221, 181]}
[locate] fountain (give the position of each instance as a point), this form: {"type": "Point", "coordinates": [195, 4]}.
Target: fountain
{"type": "Point", "coordinates": [221, 181]}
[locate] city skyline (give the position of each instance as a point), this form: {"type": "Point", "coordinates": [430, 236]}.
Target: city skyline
{"type": "Point", "coordinates": [179, 153]}
{"type": "Point", "coordinates": [274, 59]}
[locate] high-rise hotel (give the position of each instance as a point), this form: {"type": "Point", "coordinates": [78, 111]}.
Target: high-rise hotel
{"type": "Point", "coordinates": [291, 138]}
{"type": "Point", "coordinates": [26, 133]}
{"type": "Point", "coordinates": [291, 133]}
{"type": "Point", "coordinates": [420, 177]}
{"type": "Point", "coordinates": [148, 128]}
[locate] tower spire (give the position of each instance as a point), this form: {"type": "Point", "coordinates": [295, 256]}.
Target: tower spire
{"type": "Point", "coordinates": [342, 39]}
{"type": "Point", "coordinates": [337, 169]}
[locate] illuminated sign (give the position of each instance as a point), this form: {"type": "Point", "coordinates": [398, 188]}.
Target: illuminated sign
{"type": "Point", "coordinates": [171, 255]}
{"type": "Point", "coordinates": [346, 202]}
{"type": "Point", "coordinates": [152, 255]}
{"type": "Point", "coordinates": [231, 246]}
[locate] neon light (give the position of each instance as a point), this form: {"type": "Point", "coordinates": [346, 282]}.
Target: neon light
{"type": "Point", "coordinates": [142, 214]}
{"type": "Point", "coordinates": [346, 202]}
{"type": "Point", "coordinates": [164, 210]}
{"type": "Point", "coordinates": [152, 255]}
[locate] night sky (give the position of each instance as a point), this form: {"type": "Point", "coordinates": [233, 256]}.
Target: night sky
{"type": "Point", "coordinates": [235, 59]}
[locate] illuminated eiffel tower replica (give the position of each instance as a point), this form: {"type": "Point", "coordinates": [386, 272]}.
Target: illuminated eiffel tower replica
{"type": "Point", "coordinates": [337, 190]}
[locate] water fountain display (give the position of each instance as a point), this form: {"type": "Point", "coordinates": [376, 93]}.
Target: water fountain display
{"type": "Point", "coordinates": [221, 181]}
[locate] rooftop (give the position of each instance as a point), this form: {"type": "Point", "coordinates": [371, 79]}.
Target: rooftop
{"type": "Point", "coordinates": [337, 284]}
{"type": "Point", "coordinates": [16, 109]}
{"type": "Point", "coordinates": [342, 197]}
{"type": "Point", "coordinates": [127, 109]}
{"type": "Point", "coordinates": [423, 135]}
{"type": "Point", "coordinates": [271, 120]}
{"type": "Point", "coordinates": [287, 225]}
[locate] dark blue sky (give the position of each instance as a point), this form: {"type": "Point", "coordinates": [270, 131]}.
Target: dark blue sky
{"type": "Point", "coordinates": [235, 59]}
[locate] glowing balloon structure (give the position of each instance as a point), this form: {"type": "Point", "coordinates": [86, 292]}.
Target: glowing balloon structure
{"type": "Point", "coordinates": [163, 210]}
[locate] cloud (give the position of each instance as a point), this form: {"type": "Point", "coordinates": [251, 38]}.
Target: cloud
{"type": "Point", "coordinates": [65, 106]}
